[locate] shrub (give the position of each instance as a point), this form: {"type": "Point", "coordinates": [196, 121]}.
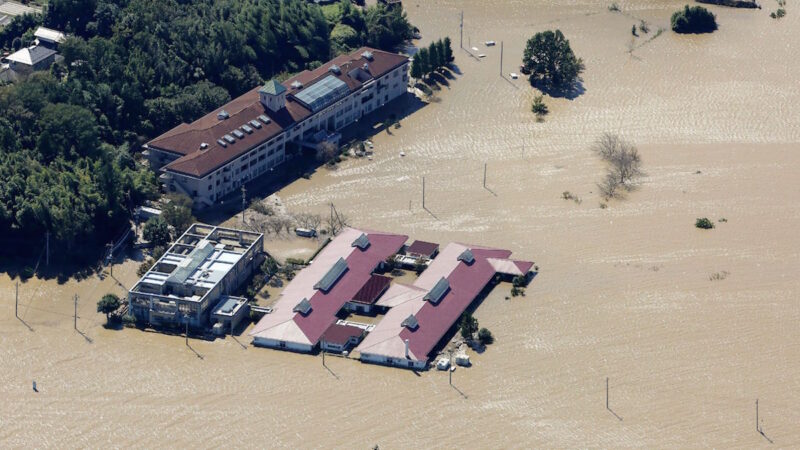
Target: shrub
{"type": "Point", "coordinates": [156, 230]}
{"type": "Point", "coordinates": [143, 268]}
{"type": "Point", "coordinates": [694, 19]}
{"type": "Point", "coordinates": [108, 304]}
{"type": "Point", "coordinates": [485, 336]}
{"type": "Point", "coordinates": [26, 272]}
{"type": "Point", "coordinates": [468, 326]}
{"type": "Point", "coordinates": [614, 7]}
{"type": "Point", "coordinates": [539, 107]}
{"type": "Point", "coordinates": [129, 321]}
{"type": "Point", "coordinates": [704, 223]}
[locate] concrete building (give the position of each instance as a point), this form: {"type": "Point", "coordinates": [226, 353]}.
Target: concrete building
{"type": "Point", "coordinates": [195, 274]}
{"type": "Point", "coordinates": [229, 314]}
{"type": "Point", "coordinates": [420, 315]}
{"type": "Point", "coordinates": [253, 134]}
{"type": "Point", "coordinates": [309, 304]}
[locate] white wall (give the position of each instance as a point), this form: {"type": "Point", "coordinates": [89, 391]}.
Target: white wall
{"type": "Point", "coordinates": [273, 343]}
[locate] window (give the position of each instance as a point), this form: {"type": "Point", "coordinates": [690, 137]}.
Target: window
{"type": "Point", "coordinates": [209, 187]}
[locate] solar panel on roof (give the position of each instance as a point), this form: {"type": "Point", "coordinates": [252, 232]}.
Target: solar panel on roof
{"type": "Point", "coordinates": [238, 134]}
{"type": "Point", "coordinates": [255, 123]}
{"type": "Point", "coordinates": [247, 129]}
{"type": "Point", "coordinates": [333, 275]}
{"type": "Point", "coordinates": [229, 138]}
{"type": "Point", "coordinates": [264, 119]}
{"type": "Point", "coordinates": [439, 289]}
{"type": "Point", "coordinates": [323, 93]}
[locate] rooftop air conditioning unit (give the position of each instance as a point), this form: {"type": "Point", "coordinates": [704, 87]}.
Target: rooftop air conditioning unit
{"type": "Point", "coordinates": [203, 146]}
{"type": "Point", "coordinates": [297, 85]}
{"type": "Point", "coordinates": [335, 69]}
{"type": "Point", "coordinates": [222, 115]}
{"type": "Point", "coordinates": [368, 55]}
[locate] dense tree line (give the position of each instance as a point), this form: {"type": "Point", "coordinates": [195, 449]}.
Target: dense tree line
{"type": "Point", "coordinates": [435, 57]}
{"type": "Point", "coordinates": [131, 70]}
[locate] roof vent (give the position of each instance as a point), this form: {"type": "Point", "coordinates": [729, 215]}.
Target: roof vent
{"type": "Point", "coordinates": [238, 134]}
{"type": "Point", "coordinates": [365, 66]}
{"type": "Point", "coordinates": [255, 124]}
{"type": "Point", "coordinates": [203, 145]}
{"type": "Point", "coordinates": [247, 129]}
{"type": "Point", "coordinates": [467, 256]}
{"type": "Point", "coordinates": [222, 115]}
{"type": "Point", "coordinates": [368, 55]}
{"type": "Point", "coordinates": [439, 290]}
{"type": "Point", "coordinates": [304, 307]}
{"type": "Point", "coordinates": [335, 69]}
{"type": "Point", "coordinates": [297, 85]}
{"type": "Point", "coordinates": [362, 242]}
{"type": "Point", "coordinates": [229, 138]}
{"type": "Point", "coordinates": [410, 322]}
{"type": "Point", "coordinates": [333, 275]}
{"type": "Point", "coordinates": [222, 143]}
{"type": "Point", "coordinates": [264, 119]}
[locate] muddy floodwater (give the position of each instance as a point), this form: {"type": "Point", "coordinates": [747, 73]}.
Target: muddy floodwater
{"type": "Point", "coordinates": [689, 326]}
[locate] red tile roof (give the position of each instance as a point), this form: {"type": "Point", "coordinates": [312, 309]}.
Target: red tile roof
{"type": "Point", "coordinates": [422, 248]}
{"type": "Point", "coordinates": [360, 264]}
{"type": "Point", "coordinates": [372, 289]}
{"type": "Point", "coordinates": [466, 282]}
{"type": "Point", "coordinates": [340, 334]}
{"type": "Point", "coordinates": [185, 139]}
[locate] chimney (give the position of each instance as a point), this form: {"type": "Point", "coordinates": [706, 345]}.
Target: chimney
{"type": "Point", "coordinates": [407, 357]}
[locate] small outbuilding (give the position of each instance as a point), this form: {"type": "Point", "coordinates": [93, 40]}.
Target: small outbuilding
{"type": "Point", "coordinates": [229, 313]}
{"type": "Point", "coordinates": [366, 297]}
{"type": "Point", "coordinates": [338, 338]}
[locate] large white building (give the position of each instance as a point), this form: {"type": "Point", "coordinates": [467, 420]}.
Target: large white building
{"type": "Point", "coordinates": [198, 272]}
{"type": "Point", "coordinates": [254, 133]}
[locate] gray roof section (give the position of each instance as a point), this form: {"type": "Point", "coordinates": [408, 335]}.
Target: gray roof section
{"type": "Point", "coordinates": [333, 275]}
{"type": "Point", "coordinates": [303, 307]}
{"type": "Point", "coordinates": [467, 256]}
{"type": "Point", "coordinates": [410, 322]}
{"type": "Point", "coordinates": [272, 87]}
{"type": "Point", "coordinates": [31, 55]}
{"type": "Point", "coordinates": [439, 290]}
{"type": "Point", "coordinates": [322, 93]}
{"type": "Point", "coordinates": [362, 242]}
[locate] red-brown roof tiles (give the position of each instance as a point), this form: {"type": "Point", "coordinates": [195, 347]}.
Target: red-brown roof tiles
{"type": "Point", "coordinates": [185, 139]}
{"type": "Point", "coordinates": [340, 334]}
{"type": "Point", "coordinates": [372, 289]}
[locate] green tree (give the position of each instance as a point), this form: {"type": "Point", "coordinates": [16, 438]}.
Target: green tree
{"type": "Point", "coordinates": [485, 336]}
{"type": "Point", "coordinates": [178, 212]}
{"type": "Point", "coordinates": [156, 231]}
{"type": "Point", "coordinates": [694, 19]}
{"type": "Point", "coordinates": [448, 51]}
{"type": "Point", "coordinates": [416, 69]}
{"type": "Point", "coordinates": [423, 56]}
{"type": "Point", "coordinates": [539, 107]}
{"type": "Point", "coordinates": [433, 57]}
{"type": "Point", "coordinates": [551, 62]}
{"type": "Point", "coordinates": [468, 326]}
{"type": "Point", "coordinates": [108, 304]}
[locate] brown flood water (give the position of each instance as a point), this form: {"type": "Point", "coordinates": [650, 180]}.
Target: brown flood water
{"type": "Point", "coordinates": [624, 292]}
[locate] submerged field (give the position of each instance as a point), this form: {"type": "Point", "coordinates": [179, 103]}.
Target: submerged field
{"type": "Point", "coordinates": [690, 326]}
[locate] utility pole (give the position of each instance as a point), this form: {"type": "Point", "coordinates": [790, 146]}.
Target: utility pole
{"type": "Point", "coordinates": [501, 58]}
{"type": "Point", "coordinates": [187, 332]}
{"type": "Point", "coordinates": [607, 393]}
{"type": "Point", "coordinates": [757, 428]}
{"type": "Point", "coordinates": [244, 202]}
{"type": "Point", "coordinates": [461, 42]}
{"type": "Point", "coordinates": [75, 324]}
{"type": "Point", "coordinates": [423, 192]}
{"type": "Point", "coordinates": [47, 245]}
{"type": "Point", "coordinates": [16, 302]}
{"type": "Point", "coordinates": [111, 257]}
{"type": "Point", "coordinates": [484, 174]}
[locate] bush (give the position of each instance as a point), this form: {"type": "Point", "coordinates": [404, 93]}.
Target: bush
{"type": "Point", "coordinates": [26, 272]}
{"type": "Point", "coordinates": [485, 336]}
{"type": "Point", "coordinates": [704, 223]}
{"type": "Point", "coordinates": [694, 19]}
{"type": "Point", "coordinates": [538, 107]}
{"type": "Point", "coordinates": [143, 268]}
{"type": "Point", "coordinates": [468, 326]}
{"type": "Point", "coordinates": [108, 304]}
{"type": "Point", "coordinates": [129, 321]}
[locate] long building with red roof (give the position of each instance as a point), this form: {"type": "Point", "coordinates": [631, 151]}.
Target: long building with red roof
{"type": "Point", "coordinates": [253, 134]}
{"type": "Point", "coordinates": [420, 315]}
{"type": "Point", "coordinates": [308, 305]}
